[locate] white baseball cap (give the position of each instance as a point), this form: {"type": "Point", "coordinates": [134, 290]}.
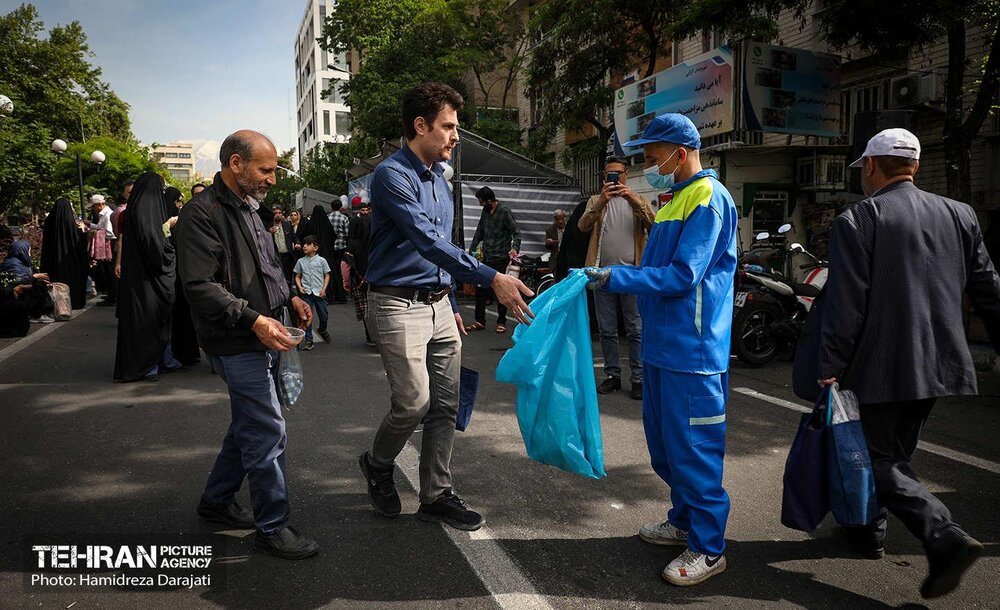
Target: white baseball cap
{"type": "Point", "coordinates": [894, 142]}
{"type": "Point", "coordinates": [95, 199]}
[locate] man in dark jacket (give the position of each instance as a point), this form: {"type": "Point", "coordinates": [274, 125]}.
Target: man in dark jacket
{"type": "Point", "coordinates": [228, 264]}
{"type": "Point", "coordinates": [284, 241]}
{"type": "Point", "coordinates": [501, 241]}
{"type": "Point", "coordinates": [892, 333]}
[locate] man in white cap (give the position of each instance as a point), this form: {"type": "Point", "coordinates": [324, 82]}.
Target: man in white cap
{"type": "Point", "coordinates": [685, 288]}
{"type": "Point", "coordinates": [102, 248]}
{"type": "Point", "coordinates": [892, 333]}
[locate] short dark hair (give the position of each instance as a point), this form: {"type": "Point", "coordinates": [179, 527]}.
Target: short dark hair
{"type": "Point", "coordinates": [277, 208]}
{"type": "Point", "coordinates": [196, 185]}
{"type": "Point", "coordinates": [426, 100]}
{"type": "Point", "coordinates": [608, 161]}
{"type": "Point", "coordinates": [235, 144]}
{"type": "Point", "coordinates": [310, 240]}
{"type": "Point", "coordinates": [486, 194]}
{"type": "Point", "coordinates": [336, 205]}
{"type": "Point", "coordinates": [126, 182]}
{"type": "Point", "coordinates": [893, 166]}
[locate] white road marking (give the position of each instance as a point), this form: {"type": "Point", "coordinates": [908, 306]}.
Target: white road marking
{"type": "Point", "coordinates": [51, 327]}
{"type": "Point", "coordinates": [508, 586]}
{"type": "Point", "coordinates": [945, 452]}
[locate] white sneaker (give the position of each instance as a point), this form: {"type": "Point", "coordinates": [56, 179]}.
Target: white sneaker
{"type": "Point", "coordinates": [44, 320]}
{"type": "Point", "coordinates": [692, 568]}
{"type": "Point", "coordinates": [663, 533]}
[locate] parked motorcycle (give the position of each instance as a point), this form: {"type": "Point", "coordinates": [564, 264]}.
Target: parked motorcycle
{"type": "Point", "coordinates": [769, 308]}
{"type": "Point", "coordinates": [534, 272]}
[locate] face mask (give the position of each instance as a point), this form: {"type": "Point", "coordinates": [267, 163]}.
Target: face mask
{"type": "Point", "coordinates": [655, 180]}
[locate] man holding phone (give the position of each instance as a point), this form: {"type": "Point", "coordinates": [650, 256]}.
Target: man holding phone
{"type": "Point", "coordinates": [619, 221]}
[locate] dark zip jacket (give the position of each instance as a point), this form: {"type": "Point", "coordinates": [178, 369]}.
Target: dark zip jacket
{"type": "Point", "coordinates": [219, 267]}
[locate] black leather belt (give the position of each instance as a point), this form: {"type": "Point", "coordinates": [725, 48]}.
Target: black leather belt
{"type": "Point", "coordinates": [414, 294]}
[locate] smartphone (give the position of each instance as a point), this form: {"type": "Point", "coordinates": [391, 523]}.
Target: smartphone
{"type": "Point", "coordinates": [612, 177]}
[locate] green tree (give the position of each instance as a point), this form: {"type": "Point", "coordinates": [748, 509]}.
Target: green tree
{"type": "Point", "coordinates": [406, 42]}
{"type": "Point", "coordinates": [57, 93]}
{"type": "Point", "coordinates": [123, 160]}
{"type": "Point", "coordinates": [287, 184]}
{"type": "Point", "coordinates": [879, 29]}
{"type": "Point", "coordinates": [584, 43]}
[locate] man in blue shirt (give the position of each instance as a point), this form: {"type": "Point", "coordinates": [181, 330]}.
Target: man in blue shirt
{"type": "Point", "coordinates": [414, 327]}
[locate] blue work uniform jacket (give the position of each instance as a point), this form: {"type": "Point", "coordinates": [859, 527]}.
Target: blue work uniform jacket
{"type": "Point", "coordinates": [685, 281]}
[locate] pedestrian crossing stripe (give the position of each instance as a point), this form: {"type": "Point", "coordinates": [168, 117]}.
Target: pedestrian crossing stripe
{"type": "Point", "coordinates": [707, 421]}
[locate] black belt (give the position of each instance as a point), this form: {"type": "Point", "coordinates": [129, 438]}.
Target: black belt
{"type": "Point", "coordinates": [416, 295]}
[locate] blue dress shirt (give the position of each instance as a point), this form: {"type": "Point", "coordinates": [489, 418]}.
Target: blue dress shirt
{"type": "Point", "coordinates": [412, 216]}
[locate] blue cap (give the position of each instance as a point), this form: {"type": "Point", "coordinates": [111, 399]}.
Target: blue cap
{"type": "Point", "coordinates": [670, 127]}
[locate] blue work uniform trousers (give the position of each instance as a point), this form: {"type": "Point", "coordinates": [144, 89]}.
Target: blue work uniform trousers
{"type": "Point", "coordinates": [254, 447]}
{"type": "Point", "coordinates": [684, 416]}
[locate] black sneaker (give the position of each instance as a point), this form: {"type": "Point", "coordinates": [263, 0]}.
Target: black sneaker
{"type": "Point", "coordinates": [636, 392]}
{"type": "Point", "coordinates": [325, 335]}
{"type": "Point", "coordinates": [945, 568]}
{"type": "Point", "coordinates": [232, 515]}
{"type": "Point", "coordinates": [307, 345]}
{"type": "Point", "coordinates": [611, 384]}
{"type": "Point", "coordinates": [286, 543]}
{"type": "Point", "coordinates": [451, 509]}
{"type": "Point", "coordinates": [381, 488]}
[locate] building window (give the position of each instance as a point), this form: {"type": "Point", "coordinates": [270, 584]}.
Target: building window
{"type": "Point", "coordinates": [343, 120]}
{"type": "Point", "coordinates": [535, 101]}
{"type": "Point", "coordinates": [675, 52]}
{"type": "Point", "coordinates": [706, 40]}
{"type": "Point", "coordinates": [326, 122]}
{"type": "Point", "coordinates": [309, 129]}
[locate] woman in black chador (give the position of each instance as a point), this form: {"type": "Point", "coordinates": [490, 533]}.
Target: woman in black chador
{"type": "Point", "coordinates": [146, 293]}
{"type": "Point", "coordinates": [64, 251]}
{"type": "Point", "coordinates": [183, 340]}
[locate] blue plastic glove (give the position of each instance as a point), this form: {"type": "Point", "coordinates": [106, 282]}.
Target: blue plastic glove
{"type": "Point", "coordinates": [598, 277]}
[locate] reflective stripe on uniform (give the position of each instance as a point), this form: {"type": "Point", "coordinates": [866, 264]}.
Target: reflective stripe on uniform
{"type": "Point", "coordinates": [707, 421]}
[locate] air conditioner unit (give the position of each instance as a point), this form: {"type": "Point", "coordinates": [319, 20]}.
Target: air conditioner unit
{"type": "Point", "coordinates": [821, 172]}
{"type": "Point", "coordinates": [913, 90]}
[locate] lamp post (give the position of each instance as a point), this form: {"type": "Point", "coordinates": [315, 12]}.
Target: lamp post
{"type": "Point", "coordinates": [96, 157]}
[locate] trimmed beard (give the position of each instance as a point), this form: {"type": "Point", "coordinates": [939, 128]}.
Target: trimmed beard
{"type": "Point", "coordinates": [259, 193]}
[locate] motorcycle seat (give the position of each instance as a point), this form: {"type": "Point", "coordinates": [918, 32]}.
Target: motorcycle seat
{"type": "Point", "coordinates": [805, 290]}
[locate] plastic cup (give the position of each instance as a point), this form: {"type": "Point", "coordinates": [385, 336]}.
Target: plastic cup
{"type": "Point", "coordinates": [296, 335]}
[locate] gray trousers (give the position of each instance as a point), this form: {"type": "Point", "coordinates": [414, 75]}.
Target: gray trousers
{"type": "Point", "coordinates": [422, 354]}
{"type": "Point", "coordinates": [606, 303]}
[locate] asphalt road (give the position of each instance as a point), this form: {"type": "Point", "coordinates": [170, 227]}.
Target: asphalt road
{"type": "Point", "coordinates": [81, 455]}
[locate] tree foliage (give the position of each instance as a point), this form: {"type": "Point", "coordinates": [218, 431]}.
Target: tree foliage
{"type": "Point", "coordinates": [403, 43]}
{"type": "Point", "coordinates": [877, 28]}
{"type": "Point", "coordinates": [584, 43]}
{"type": "Point", "coordinates": [57, 93]}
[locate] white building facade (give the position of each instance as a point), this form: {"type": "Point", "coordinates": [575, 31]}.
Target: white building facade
{"type": "Point", "coordinates": [319, 118]}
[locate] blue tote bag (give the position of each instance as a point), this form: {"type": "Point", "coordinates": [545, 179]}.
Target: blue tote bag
{"type": "Point", "coordinates": [468, 387]}
{"type": "Point", "coordinates": [552, 366]}
{"type": "Point", "coordinates": [805, 499]}
{"type": "Point", "coordinates": [849, 469]}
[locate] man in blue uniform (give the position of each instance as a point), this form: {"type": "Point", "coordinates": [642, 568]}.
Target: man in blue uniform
{"type": "Point", "coordinates": [685, 289]}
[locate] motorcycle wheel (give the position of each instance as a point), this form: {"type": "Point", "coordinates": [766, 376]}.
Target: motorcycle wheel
{"type": "Point", "coordinates": [753, 341]}
{"type": "Point", "coordinates": [545, 285]}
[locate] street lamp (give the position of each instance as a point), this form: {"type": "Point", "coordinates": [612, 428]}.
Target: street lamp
{"type": "Point", "coordinates": [96, 157]}
{"type": "Point", "coordinates": [6, 107]}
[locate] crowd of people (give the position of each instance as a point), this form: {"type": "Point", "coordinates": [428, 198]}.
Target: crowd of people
{"type": "Point", "coordinates": [223, 272]}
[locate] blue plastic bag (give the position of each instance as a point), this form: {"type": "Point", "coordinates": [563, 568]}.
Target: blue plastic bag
{"type": "Point", "coordinates": [552, 366]}
{"type": "Point", "coordinates": [468, 387]}
{"type": "Point", "coordinates": [849, 468]}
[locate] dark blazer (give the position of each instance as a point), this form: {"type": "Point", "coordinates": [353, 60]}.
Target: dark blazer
{"type": "Point", "coordinates": [553, 233]}
{"type": "Point", "coordinates": [892, 325]}
{"type": "Point", "coordinates": [290, 237]}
